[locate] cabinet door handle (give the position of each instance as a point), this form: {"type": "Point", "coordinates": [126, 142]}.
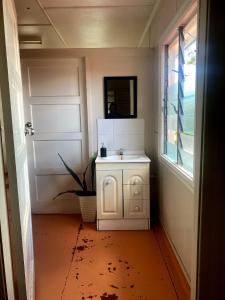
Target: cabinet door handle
{"type": "Point", "coordinates": [136, 193]}
{"type": "Point", "coordinates": [109, 181]}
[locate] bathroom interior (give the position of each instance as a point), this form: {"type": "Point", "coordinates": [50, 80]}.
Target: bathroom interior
{"type": "Point", "coordinates": [110, 85]}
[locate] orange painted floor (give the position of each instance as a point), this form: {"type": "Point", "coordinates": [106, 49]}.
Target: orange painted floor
{"type": "Point", "coordinates": [77, 262]}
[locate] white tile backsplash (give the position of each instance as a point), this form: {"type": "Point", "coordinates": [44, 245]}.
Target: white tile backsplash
{"type": "Point", "coordinates": [129, 126]}
{"type": "Point", "coordinates": [107, 140]}
{"type": "Point", "coordinates": [121, 141]}
{"type": "Point", "coordinates": [105, 126]}
{"type": "Point", "coordinates": [136, 142]}
{"type": "Point", "coordinates": [127, 134]}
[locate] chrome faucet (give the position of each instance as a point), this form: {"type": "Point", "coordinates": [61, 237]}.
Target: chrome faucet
{"type": "Point", "coordinates": [121, 151]}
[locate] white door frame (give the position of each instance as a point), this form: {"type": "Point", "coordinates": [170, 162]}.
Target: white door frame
{"type": "Point", "coordinates": [4, 227]}
{"type": "Point", "coordinates": [200, 77]}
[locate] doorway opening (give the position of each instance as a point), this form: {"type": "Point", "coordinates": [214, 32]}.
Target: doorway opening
{"type": "Point", "coordinates": [62, 99]}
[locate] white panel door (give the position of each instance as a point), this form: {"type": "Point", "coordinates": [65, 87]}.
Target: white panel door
{"type": "Point", "coordinates": [110, 197]}
{"type": "Point", "coordinates": [55, 104]}
{"type": "Point", "coordinates": [16, 154]}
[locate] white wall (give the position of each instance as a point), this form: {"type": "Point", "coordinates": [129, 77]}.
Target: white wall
{"type": "Point", "coordinates": [176, 194]}
{"type": "Point", "coordinates": [110, 62]}
{"type": "Point", "coordinates": [176, 214]}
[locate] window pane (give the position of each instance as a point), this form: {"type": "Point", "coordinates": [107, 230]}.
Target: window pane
{"type": "Point", "coordinates": [188, 118]}
{"type": "Point", "coordinates": [172, 100]}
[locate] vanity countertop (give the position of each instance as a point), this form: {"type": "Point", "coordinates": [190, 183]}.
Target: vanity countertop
{"type": "Point", "coordinates": [137, 158]}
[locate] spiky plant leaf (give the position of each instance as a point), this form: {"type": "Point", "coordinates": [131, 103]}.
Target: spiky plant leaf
{"type": "Point", "coordinates": [84, 178]}
{"type": "Point", "coordinates": [72, 173]}
{"type": "Point", "coordinates": [66, 192]}
{"type": "Point", "coordinates": [93, 171]}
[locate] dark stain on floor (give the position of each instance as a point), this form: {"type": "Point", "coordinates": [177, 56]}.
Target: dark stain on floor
{"type": "Point", "coordinates": [111, 266]}
{"type": "Point", "coordinates": [81, 248]}
{"type": "Point", "coordinates": [114, 286]}
{"type": "Point", "coordinates": [107, 296]}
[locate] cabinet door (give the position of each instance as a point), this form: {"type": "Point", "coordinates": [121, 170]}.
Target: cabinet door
{"type": "Point", "coordinates": [109, 195]}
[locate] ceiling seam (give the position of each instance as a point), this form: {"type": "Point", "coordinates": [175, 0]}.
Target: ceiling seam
{"type": "Point", "coordinates": [149, 21]}
{"type": "Point", "coordinates": [93, 7]}
{"type": "Point", "coordinates": [53, 25]}
{"type": "Point", "coordinates": [34, 24]}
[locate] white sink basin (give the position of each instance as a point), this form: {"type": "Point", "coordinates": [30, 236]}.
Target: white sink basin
{"type": "Point", "coordinates": [123, 158]}
{"type": "Point", "coordinates": [131, 157]}
{"type": "Point", "coordinates": [112, 157]}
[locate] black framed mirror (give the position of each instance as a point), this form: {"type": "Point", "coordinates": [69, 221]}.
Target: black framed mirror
{"type": "Point", "coordinates": [120, 97]}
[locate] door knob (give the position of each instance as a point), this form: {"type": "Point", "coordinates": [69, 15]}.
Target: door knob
{"type": "Point", "coordinates": [29, 130]}
{"type": "Point", "coordinates": [137, 208]}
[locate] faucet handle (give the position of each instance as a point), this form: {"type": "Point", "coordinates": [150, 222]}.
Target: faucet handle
{"type": "Point", "coordinates": [121, 151]}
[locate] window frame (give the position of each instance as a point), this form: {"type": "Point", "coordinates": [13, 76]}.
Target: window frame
{"type": "Point", "coordinates": [176, 166]}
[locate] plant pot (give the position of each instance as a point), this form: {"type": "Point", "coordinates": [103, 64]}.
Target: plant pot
{"type": "Point", "coordinates": [88, 208]}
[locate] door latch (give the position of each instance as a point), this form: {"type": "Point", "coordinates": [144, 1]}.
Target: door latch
{"type": "Point", "coordinates": [29, 130]}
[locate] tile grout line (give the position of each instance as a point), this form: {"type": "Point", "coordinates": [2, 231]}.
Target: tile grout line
{"type": "Point", "coordinates": [72, 258]}
{"type": "Point", "coordinates": [166, 264]}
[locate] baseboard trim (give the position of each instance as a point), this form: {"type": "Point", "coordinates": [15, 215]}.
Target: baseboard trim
{"type": "Point", "coordinates": [176, 273]}
{"type": "Point", "coordinates": [123, 224]}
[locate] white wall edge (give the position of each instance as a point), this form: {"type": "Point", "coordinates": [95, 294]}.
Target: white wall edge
{"type": "Point", "coordinates": [178, 172]}
{"type": "Point", "coordinates": [87, 75]}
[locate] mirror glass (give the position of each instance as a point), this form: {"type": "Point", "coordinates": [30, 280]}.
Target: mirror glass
{"type": "Point", "coordinates": [120, 95]}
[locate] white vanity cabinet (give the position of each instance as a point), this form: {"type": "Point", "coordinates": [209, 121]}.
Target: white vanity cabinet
{"type": "Point", "coordinates": [123, 195]}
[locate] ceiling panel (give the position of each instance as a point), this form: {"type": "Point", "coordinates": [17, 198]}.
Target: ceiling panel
{"type": "Point", "coordinates": [92, 3]}
{"type": "Point", "coordinates": [47, 34]}
{"type": "Point", "coordinates": [29, 12]}
{"type": "Point", "coordinates": [100, 27]}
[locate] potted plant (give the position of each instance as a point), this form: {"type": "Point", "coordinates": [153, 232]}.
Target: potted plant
{"type": "Point", "coordinates": [87, 197]}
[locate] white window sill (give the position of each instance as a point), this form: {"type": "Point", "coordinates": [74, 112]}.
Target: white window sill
{"type": "Point", "coordinates": [178, 171]}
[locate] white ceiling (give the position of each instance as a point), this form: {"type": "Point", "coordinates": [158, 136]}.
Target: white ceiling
{"type": "Point", "coordinates": [85, 23]}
